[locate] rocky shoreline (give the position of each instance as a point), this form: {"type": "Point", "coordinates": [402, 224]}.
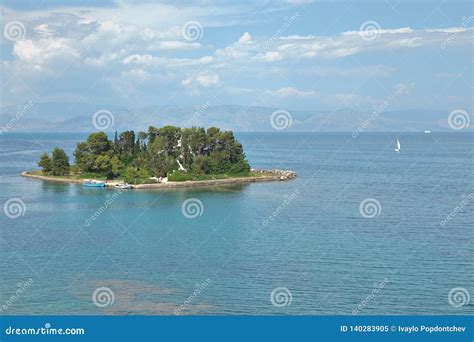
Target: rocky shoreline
{"type": "Point", "coordinates": [270, 175]}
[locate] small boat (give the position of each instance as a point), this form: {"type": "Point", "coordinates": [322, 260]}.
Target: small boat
{"type": "Point", "coordinates": [123, 186]}
{"type": "Point", "coordinates": [427, 132]}
{"type": "Point", "coordinates": [397, 146]}
{"type": "Point", "coordinates": [93, 183]}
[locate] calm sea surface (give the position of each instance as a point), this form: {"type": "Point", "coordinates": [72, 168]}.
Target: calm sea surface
{"type": "Point", "coordinates": [317, 253]}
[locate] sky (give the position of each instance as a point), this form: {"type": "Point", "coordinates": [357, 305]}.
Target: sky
{"type": "Point", "coordinates": [299, 54]}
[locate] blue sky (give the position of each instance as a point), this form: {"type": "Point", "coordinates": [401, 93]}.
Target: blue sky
{"type": "Point", "coordinates": [298, 54]}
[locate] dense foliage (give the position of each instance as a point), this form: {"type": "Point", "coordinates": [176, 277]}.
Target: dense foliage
{"type": "Point", "coordinates": [181, 153]}
{"type": "Point", "coordinates": [57, 165]}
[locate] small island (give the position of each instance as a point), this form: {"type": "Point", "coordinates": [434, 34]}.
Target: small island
{"type": "Point", "coordinates": [159, 158]}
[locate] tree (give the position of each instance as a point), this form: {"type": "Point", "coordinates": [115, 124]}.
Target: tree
{"type": "Point", "coordinates": [127, 142]}
{"type": "Point", "coordinates": [98, 143]}
{"type": "Point", "coordinates": [45, 163]}
{"type": "Point", "coordinates": [60, 162]}
{"type": "Point", "coordinates": [116, 148]}
{"type": "Point", "coordinates": [108, 165]}
{"type": "Point", "coordinates": [132, 174]}
{"type": "Point", "coordinates": [84, 157]}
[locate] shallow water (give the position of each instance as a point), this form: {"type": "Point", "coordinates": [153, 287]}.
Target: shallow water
{"type": "Point", "coordinates": [315, 242]}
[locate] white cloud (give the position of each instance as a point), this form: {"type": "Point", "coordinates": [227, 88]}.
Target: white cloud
{"type": "Point", "coordinates": [44, 51]}
{"type": "Point", "coordinates": [174, 45]}
{"type": "Point", "coordinates": [270, 56]}
{"type": "Point", "coordinates": [289, 92]}
{"type": "Point", "coordinates": [245, 38]}
{"type": "Point", "coordinates": [135, 73]}
{"type": "Point", "coordinates": [201, 80]}
{"type": "Point", "coordinates": [44, 30]}
{"type": "Point", "coordinates": [138, 59]}
{"type": "Point", "coordinates": [404, 88]}
{"type": "Point", "coordinates": [207, 80]}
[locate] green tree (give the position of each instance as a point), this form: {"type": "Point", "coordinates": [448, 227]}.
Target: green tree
{"type": "Point", "coordinates": [84, 157]}
{"type": "Point", "coordinates": [127, 142]}
{"type": "Point", "coordinates": [45, 163]}
{"type": "Point", "coordinates": [60, 162]}
{"type": "Point", "coordinates": [98, 143]}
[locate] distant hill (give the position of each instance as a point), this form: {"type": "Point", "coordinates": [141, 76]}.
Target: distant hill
{"type": "Point", "coordinates": [67, 117]}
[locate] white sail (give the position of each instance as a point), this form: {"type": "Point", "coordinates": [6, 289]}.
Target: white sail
{"type": "Point", "coordinates": [397, 146]}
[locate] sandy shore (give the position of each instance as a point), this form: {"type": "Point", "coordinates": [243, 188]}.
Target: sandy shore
{"type": "Point", "coordinates": [274, 175]}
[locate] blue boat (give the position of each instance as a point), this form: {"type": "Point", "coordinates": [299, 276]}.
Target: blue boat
{"type": "Point", "coordinates": [93, 183]}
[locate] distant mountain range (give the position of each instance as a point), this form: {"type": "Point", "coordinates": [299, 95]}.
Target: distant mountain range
{"type": "Point", "coordinates": [67, 117]}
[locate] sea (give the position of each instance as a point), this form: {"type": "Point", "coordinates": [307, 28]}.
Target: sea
{"type": "Point", "coordinates": [362, 230]}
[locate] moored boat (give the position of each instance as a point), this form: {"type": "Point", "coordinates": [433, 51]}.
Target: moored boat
{"type": "Point", "coordinates": [123, 186]}
{"type": "Point", "coordinates": [93, 183]}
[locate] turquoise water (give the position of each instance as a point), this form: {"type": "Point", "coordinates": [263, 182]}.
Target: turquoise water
{"type": "Point", "coordinates": [317, 244]}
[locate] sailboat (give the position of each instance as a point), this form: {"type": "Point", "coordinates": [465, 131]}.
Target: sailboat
{"type": "Point", "coordinates": [397, 146]}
